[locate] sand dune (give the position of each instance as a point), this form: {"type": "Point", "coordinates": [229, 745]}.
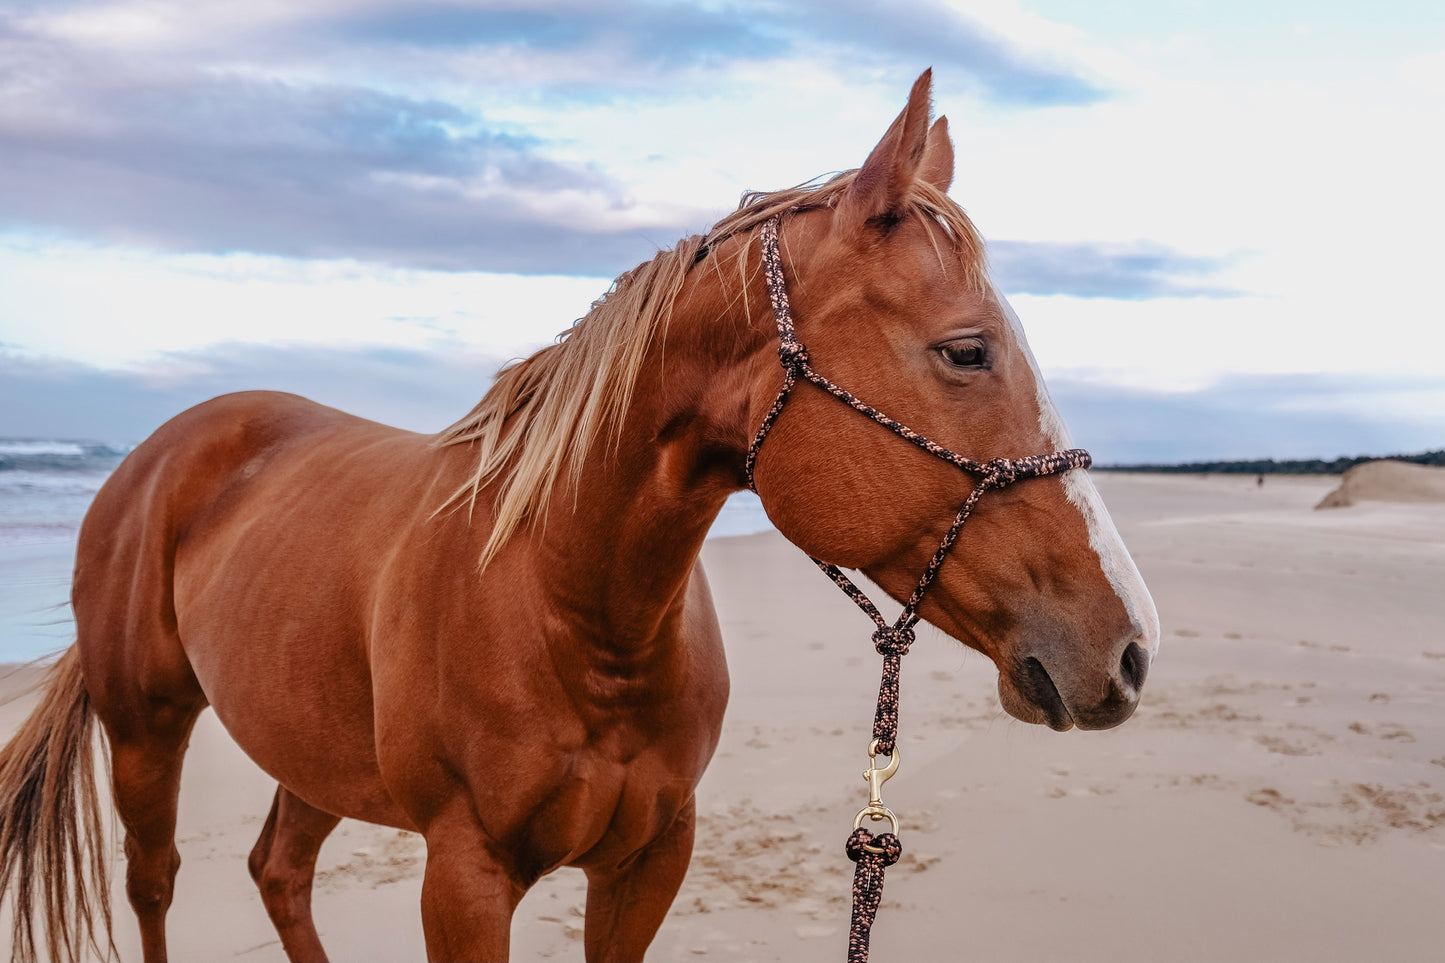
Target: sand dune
{"type": "Point", "coordinates": [1387, 481]}
{"type": "Point", "coordinates": [1279, 796]}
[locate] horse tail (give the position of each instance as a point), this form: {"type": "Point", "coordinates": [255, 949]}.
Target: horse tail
{"type": "Point", "coordinates": [52, 840]}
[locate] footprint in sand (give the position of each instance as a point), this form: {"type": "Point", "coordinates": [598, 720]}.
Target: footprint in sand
{"type": "Point", "coordinates": [384, 856]}
{"type": "Point", "coordinates": [1270, 799]}
{"type": "Point", "coordinates": [1198, 779]}
{"type": "Point", "coordinates": [742, 857]}
{"type": "Point", "coordinates": [1392, 731]}
{"type": "Point", "coordinates": [917, 862]}
{"type": "Point", "coordinates": [1285, 747]}
{"type": "Point", "coordinates": [1320, 645]}
{"type": "Point", "coordinates": [1407, 809]}
{"type": "Point", "coordinates": [1358, 812]}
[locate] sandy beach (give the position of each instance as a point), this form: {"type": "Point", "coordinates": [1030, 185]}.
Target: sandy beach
{"type": "Point", "coordinates": [1280, 794]}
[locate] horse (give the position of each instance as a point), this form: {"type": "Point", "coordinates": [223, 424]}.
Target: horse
{"type": "Point", "coordinates": [384, 621]}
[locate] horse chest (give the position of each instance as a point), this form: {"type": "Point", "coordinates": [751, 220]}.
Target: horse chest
{"type": "Point", "coordinates": [602, 780]}
{"type": "Point", "coordinates": [611, 686]}
{"type": "Point", "coordinates": [603, 809]}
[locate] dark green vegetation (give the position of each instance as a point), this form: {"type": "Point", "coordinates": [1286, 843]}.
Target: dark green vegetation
{"type": "Point", "coordinates": [1268, 466]}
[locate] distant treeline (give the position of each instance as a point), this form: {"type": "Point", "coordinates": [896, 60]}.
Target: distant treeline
{"type": "Point", "coordinates": [1268, 466]}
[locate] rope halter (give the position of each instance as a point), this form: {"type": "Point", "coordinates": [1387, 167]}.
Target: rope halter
{"type": "Point", "coordinates": [871, 854]}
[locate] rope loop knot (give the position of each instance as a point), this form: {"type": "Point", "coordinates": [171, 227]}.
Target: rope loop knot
{"type": "Point", "coordinates": [887, 842]}
{"type": "Point", "coordinates": [793, 354]}
{"type": "Point", "coordinates": [893, 640]}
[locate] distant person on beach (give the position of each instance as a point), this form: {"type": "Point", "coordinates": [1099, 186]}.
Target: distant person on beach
{"type": "Point", "coordinates": [1259, 481]}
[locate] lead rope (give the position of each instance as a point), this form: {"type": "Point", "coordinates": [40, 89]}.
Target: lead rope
{"type": "Point", "coordinates": [874, 854]}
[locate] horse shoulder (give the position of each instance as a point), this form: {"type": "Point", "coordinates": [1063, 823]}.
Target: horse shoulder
{"type": "Point", "coordinates": [702, 632]}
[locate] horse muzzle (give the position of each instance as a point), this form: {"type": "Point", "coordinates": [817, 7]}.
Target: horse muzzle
{"type": "Point", "coordinates": [1058, 691]}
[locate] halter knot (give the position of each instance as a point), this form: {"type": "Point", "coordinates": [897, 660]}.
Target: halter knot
{"type": "Point", "coordinates": [893, 640]}
{"type": "Point", "coordinates": [888, 842]}
{"type": "Point", "coordinates": [1000, 473]}
{"type": "Point", "coordinates": [793, 354]}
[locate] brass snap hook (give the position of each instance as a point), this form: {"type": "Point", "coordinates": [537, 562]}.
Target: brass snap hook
{"type": "Point", "coordinates": [877, 777]}
{"type": "Point", "coordinates": [875, 810]}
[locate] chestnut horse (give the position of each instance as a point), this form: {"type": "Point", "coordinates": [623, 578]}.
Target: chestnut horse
{"type": "Point", "coordinates": [384, 621]}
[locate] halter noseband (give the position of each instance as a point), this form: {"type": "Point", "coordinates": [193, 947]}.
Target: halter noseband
{"type": "Point", "coordinates": [892, 641]}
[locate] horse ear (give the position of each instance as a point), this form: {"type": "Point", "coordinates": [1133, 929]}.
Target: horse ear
{"type": "Point", "coordinates": [882, 184]}
{"type": "Point", "coordinates": [937, 166]}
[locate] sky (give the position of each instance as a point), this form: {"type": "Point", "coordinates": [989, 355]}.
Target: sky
{"type": "Point", "coordinates": [1219, 221]}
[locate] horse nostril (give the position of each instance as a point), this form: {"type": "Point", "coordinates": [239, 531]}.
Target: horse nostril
{"type": "Point", "coordinates": [1043, 693]}
{"type": "Point", "coordinates": [1135, 665]}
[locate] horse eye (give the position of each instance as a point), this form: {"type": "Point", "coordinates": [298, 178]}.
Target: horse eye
{"type": "Point", "coordinates": [963, 354]}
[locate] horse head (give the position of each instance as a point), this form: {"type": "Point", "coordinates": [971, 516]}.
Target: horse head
{"type": "Point", "coordinates": [890, 294]}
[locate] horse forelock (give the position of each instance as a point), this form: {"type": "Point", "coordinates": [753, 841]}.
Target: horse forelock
{"type": "Point", "coordinates": [544, 414]}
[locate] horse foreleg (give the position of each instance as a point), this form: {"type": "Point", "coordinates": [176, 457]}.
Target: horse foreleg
{"type": "Point", "coordinates": [626, 904]}
{"type": "Point", "coordinates": [283, 864]}
{"type": "Point", "coordinates": [468, 894]}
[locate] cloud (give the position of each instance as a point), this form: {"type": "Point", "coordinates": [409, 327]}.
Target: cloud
{"type": "Point", "coordinates": [190, 160]}
{"type": "Point", "coordinates": [1090, 270]}
{"type": "Point", "coordinates": [194, 161]}
{"type": "Point", "coordinates": [421, 391]}
{"type": "Point", "coordinates": [652, 36]}
{"type": "Point", "coordinates": [933, 33]}
{"type": "Point", "coordinates": [198, 161]}
{"type": "Point", "coordinates": [1252, 416]}
{"type": "Point", "coordinates": [336, 130]}
{"type": "Point", "coordinates": [637, 43]}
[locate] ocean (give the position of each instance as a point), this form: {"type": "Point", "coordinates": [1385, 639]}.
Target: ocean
{"type": "Point", "coordinates": [46, 485]}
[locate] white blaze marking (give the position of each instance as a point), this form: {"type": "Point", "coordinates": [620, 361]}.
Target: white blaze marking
{"type": "Point", "coordinates": [1114, 559]}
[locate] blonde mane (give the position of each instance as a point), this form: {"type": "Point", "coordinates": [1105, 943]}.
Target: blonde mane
{"type": "Point", "coordinates": [542, 415]}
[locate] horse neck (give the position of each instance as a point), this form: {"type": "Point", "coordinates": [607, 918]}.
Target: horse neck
{"type": "Point", "coordinates": [622, 543]}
